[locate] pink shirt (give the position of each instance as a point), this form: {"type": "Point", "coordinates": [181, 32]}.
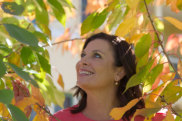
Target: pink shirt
{"type": "Point", "coordinates": [66, 115]}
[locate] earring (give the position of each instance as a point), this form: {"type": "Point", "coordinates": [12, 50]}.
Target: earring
{"type": "Point", "coordinates": [116, 83]}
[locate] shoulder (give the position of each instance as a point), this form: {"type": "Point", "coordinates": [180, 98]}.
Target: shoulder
{"type": "Point", "coordinates": [64, 115]}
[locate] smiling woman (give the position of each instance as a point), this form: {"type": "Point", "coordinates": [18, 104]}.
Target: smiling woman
{"type": "Point", "coordinates": [107, 63]}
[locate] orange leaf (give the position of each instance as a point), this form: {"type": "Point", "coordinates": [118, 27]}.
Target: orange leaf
{"type": "Point", "coordinates": [159, 2]}
{"type": "Point", "coordinates": [93, 5]}
{"type": "Point", "coordinates": [172, 43]}
{"type": "Point", "coordinates": [20, 90]}
{"type": "Point", "coordinates": [175, 22]}
{"type": "Point", "coordinates": [117, 113]}
{"type": "Point", "coordinates": [180, 67]}
{"type": "Point", "coordinates": [174, 6]}
{"type": "Point", "coordinates": [37, 95]}
{"type": "Point", "coordinates": [60, 81]}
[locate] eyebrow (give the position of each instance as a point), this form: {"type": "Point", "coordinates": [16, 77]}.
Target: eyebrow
{"type": "Point", "coordinates": [95, 51]}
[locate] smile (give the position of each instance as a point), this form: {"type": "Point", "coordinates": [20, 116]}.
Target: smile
{"type": "Point", "coordinates": [85, 73]}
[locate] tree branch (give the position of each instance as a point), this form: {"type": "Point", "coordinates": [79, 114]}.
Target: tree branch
{"type": "Point", "coordinates": [160, 42]}
{"type": "Point", "coordinates": [63, 41]}
{"type": "Point", "coordinates": [47, 111]}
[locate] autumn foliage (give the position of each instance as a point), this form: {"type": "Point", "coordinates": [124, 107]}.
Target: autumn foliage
{"type": "Point", "coordinates": [25, 72]}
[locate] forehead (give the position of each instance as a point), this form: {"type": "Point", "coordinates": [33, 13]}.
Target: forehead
{"type": "Point", "coordinates": [98, 44]}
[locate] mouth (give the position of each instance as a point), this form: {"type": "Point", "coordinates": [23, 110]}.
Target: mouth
{"type": "Point", "coordinates": [85, 73]}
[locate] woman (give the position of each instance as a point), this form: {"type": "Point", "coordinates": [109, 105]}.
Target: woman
{"type": "Point", "coordinates": [106, 65]}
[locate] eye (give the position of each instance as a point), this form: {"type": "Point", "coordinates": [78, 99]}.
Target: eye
{"type": "Point", "coordinates": [82, 55]}
{"type": "Point", "coordinates": [97, 55]}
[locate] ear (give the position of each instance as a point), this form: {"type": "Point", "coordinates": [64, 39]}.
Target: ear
{"type": "Point", "coordinates": [120, 73]}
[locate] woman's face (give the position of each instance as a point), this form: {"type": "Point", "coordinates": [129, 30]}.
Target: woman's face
{"type": "Point", "coordinates": [96, 68]}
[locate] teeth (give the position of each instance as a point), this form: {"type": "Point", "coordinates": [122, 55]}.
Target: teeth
{"type": "Point", "coordinates": [85, 72]}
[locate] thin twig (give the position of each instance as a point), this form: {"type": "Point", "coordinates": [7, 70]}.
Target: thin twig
{"type": "Point", "coordinates": [19, 48]}
{"type": "Point", "coordinates": [47, 111]}
{"type": "Point", "coordinates": [28, 26]}
{"type": "Point", "coordinates": [171, 108]}
{"type": "Point", "coordinates": [160, 42]}
{"type": "Point", "coordinates": [63, 41]}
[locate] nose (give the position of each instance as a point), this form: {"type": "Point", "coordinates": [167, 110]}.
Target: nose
{"type": "Point", "coordinates": [84, 61]}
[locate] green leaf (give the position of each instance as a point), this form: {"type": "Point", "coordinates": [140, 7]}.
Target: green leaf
{"type": "Point", "coordinates": [12, 8]}
{"type": "Point", "coordinates": [6, 96]}
{"type": "Point", "coordinates": [140, 76]}
{"type": "Point", "coordinates": [93, 21]}
{"type": "Point", "coordinates": [142, 62]}
{"type": "Point", "coordinates": [42, 16]}
{"type": "Point", "coordinates": [58, 11]}
{"type": "Point", "coordinates": [23, 74]}
{"type": "Point", "coordinates": [143, 45]}
{"type": "Point", "coordinates": [40, 4]}
{"type": "Point", "coordinates": [44, 63]}
{"type": "Point", "coordinates": [1, 84]}
{"type": "Point", "coordinates": [41, 36]}
{"type": "Point", "coordinates": [115, 18]}
{"type": "Point", "coordinates": [172, 92]}
{"type": "Point", "coordinates": [22, 35]}
{"type": "Point", "coordinates": [16, 113]}
{"type": "Point", "coordinates": [151, 77]}
{"type": "Point", "coordinates": [66, 3]}
{"type": "Point", "coordinates": [10, 20]}
{"type": "Point", "coordinates": [27, 55]}
{"type": "Point", "coordinates": [3, 68]}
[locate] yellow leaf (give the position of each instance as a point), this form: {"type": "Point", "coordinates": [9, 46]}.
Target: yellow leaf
{"type": "Point", "coordinates": [117, 113]}
{"type": "Point", "coordinates": [180, 67]}
{"type": "Point", "coordinates": [175, 22]}
{"type": "Point", "coordinates": [41, 117]}
{"type": "Point", "coordinates": [37, 95]}
{"type": "Point", "coordinates": [134, 38]}
{"type": "Point", "coordinates": [60, 81]}
{"type": "Point", "coordinates": [25, 105]}
{"type": "Point", "coordinates": [14, 59]}
{"type": "Point", "coordinates": [167, 77]}
{"type": "Point", "coordinates": [169, 116]}
{"type": "Point", "coordinates": [26, 101]}
{"type": "Point", "coordinates": [132, 4]}
{"type": "Point", "coordinates": [126, 26]}
{"type": "Point", "coordinates": [4, 111]}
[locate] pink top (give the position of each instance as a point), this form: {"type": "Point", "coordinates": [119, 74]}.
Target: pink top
{"type": "Point", "coordinates": [66, 115]}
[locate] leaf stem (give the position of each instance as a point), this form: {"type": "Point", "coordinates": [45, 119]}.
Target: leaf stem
{"type": "Point", "coordinates": [63, 41]}
{"type": "Point", "coordinates": [159, 40]}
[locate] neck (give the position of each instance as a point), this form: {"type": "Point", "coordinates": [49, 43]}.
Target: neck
{"type": "Point", "coordinates": [100, 103]}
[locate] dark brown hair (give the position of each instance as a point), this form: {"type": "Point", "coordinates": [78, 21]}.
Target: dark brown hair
{"type": "Point", "coordinates": [123, 56]}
